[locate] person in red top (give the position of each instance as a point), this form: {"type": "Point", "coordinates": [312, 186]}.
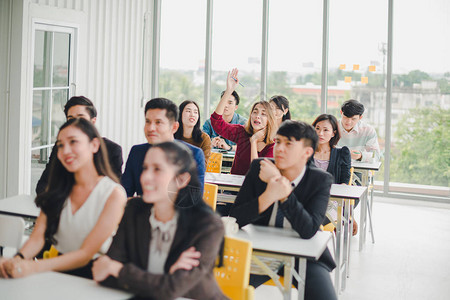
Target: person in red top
{"type": "Point", "coordinates": [253, 140]}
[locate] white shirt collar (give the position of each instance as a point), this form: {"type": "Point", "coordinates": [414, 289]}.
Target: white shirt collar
{"type": "Point", "coordinates": [164, 227]}
{"type": "Point", "coordinates": [297, 180]}
{"type": "Point", "coordinates": [355, 128]}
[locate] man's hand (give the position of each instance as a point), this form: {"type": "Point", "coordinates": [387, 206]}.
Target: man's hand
{"type": "Point", "coordinates": [219, 142]}
{"type": "Point", "coordinates": [268, 170]}
{"type": "Point", "coordinates": [356, 154]}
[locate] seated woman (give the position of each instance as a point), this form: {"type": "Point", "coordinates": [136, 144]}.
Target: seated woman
{"type": "Point", "coordinates": [169, 239]}
{"type": "Point", "coordinates": [280, 106]}
{"type": "Point", "coordinates": [328, 157]}
{"type": "Point", "coordinates": [253, 140]}
{"type": "Point", "coordinates": [189, 129]}
{"type": "Point", "coordinates": [334, 160]}
{"type": "Point", "coordinates": [80, 209]}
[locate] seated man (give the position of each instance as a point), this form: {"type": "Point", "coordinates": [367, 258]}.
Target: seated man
{"type": "Point", "coordinates": [358, 136]}
{"type": "Point", "coordinates": [290, 193]}
{"type": "Point", "coordinates": [229, 115]}
{"type": "Point", "coordinates": [82, 107]}
{"type": "Point", "coordinates": [161, 123]}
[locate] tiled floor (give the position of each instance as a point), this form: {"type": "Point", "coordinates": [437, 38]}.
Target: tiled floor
{"type": "Point", "coordinates": [409, 260]}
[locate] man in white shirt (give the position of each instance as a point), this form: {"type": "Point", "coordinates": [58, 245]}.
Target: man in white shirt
{"type": "Point", "coordinates": [360, 137]}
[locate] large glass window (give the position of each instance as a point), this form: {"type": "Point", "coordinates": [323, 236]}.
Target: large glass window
{"type": "Point", "coordinates": [357, 60]}
{"type": "Point", "coordinates": [420, 141]}
{"type": "Point", "coordinates": [236, 42]}
{"type": "Point", "coordinates": [182, 55]}
{"type": "Point", "coordinates": [51, 78]}
{"type": "Point", "coordinates": [295, 55]}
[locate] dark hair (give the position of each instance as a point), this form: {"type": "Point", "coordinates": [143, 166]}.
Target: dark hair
{"type": "Point", "coordinates": [81, 100]}
{"type": "Point", "coordinates": [196, 132]}
{"type": "Point", "coordinates": [234, 94]}
{"type": "Point", "coordinates": [334, 123]}
{"type": "Point", "coordinates": [163, 103]}
{"type": "Point", "coordinates": [179, 155]}
{"type": "Point", "coordinates": [352, 108]}
{"type": "Point", "coordinates": [61, 181]}
{"type": "Point", "coordinates": [299, 130]}
{"type": "Point", "coordinates": [282, 103]}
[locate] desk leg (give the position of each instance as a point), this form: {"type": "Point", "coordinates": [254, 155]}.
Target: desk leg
{"type": "Point", "coordinates": [301, 278]}
{"type": "Point", "coordinates": [369, 207]}
{"type": "Point", "coordinates": [346, 242]}
{"type": "Point", "coordinates": [289, 265]}
{"type": "Point", "coordinates": [350, 228]}
{"type": "Point", "coordinates": [362, 220]}
{"type": "Point", "coordinates": [337, 254]}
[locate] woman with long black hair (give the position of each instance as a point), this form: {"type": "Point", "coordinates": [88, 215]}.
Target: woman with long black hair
{"type": "Point", "coordinates": [80, 208]}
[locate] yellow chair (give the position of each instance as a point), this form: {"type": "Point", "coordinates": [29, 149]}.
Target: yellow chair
{"type": "Point", "coordinates": [233, 277]}
{"type": "Point", "coordinates": [214, 163]}
{"type": "Point", "coordinates": [350, 182]}
{"type": "Point", "coordinates": [52, 252]}
{"type": "Point", "coordinates": [210, 195]}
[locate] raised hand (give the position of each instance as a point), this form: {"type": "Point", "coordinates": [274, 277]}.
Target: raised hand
{"type": "Point", "coordinates": [232, 79]}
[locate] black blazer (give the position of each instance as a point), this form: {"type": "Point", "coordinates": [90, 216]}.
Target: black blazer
{"type": "Point", "coordinates": [305, 207]}
{"type": "Point", "coordinates": [340, 164]}
{"type": "Point", "coordinates": [198, 227]}
{"type": "Point", "coordinates": [114, 156]}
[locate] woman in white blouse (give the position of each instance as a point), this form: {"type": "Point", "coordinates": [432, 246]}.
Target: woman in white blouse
{"type": "Point", "coordinates": [80, 209]}
{"type": "Point", "coordinates": [168, 240]}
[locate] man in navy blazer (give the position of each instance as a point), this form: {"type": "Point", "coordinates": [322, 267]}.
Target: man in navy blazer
{"type": "Point", "coordinates": [290, 193]}
{"type": "Point", "coordinates": [161, 123]}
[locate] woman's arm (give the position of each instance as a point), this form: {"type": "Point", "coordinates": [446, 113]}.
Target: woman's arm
{"type": "Point", "coordinates": [254, 139]}
{"type": "Point", "coordinates": [10, 267]}
{"type": "Point", "coordinates": [206, 146]}
{"type": "Point", "coordinates": [105, 226]}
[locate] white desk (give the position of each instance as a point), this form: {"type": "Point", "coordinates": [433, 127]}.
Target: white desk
{"type": "Point", "coordinates": [343, 194]}
{"type": "Point", "coordinates": [227, 182]}
{"type": "Point", "coordinates": [286, 245]}
{"type": "Point", "coordinates": [367, 170]}
{"type": "Point", "coordinates": [56, 286]}
{"type": "Point", "coordinates": [21, 205]}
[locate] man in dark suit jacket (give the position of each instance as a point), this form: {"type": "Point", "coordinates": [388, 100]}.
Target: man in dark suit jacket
{"type": "Point", "coordinates": [290, 193]}
{"type": "Point", "coordinates": [161, 122]}
{"type": "Point", "coordinates": [82, 107]}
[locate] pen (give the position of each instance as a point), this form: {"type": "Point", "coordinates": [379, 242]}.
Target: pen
{"type": "Point", "coordinates": [239, 82]}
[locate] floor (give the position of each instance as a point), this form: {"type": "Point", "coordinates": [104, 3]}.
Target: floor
{"type": "Point", "coordinates": [409, 260]}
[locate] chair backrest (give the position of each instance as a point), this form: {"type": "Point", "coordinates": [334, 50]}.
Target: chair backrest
{"type": "Point", "coordinates": [11, 231]}
{"type": "Point", "coordinates": [214, 163]}
{"type": "Point", "coordinates": [233, 277]}
{"type": "Point", "coordinates": [210, 194]}
{"type": "Point", "coordinates": [350, 182]}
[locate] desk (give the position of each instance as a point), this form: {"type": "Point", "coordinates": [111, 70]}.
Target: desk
{"type": "Point", "coordinates": [342, 194]}
{"type": "Point", "coordinates": [367, 170]}
{"type": "Point", "coordinates": [54, 285]}
{"type": "Point", "coordinates": [285, 244]}
{"type": "Point", "coordinates": [228, 182]}
{"type": "Point", "coordinates": [21, 205]}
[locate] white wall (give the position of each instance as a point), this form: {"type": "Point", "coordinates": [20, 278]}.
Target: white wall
{"type": "Point", "coordinates": [109, 52]}
{"type": "Point", "coordinates": [5, 10]}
